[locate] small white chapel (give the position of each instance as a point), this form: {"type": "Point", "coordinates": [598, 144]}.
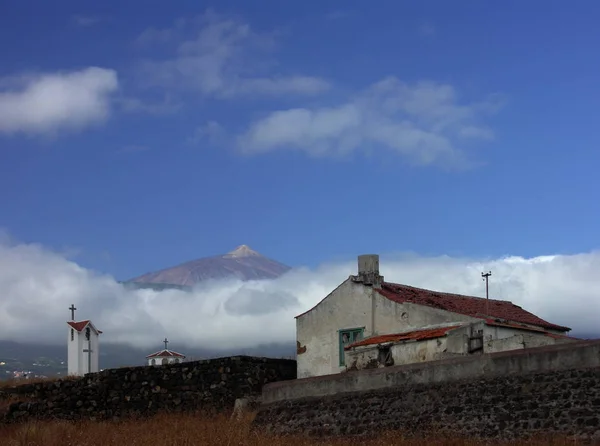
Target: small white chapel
{"type": "Point", "coordinates": [165, 356]}
{"type": "Point", "coordinates": [83, 346]}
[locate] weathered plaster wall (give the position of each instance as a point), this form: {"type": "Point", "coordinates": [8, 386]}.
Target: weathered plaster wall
{"type": "Point", "coordinates": [353, 305]}
{"type": "Point", "coordinates": [520, 341]}
{"type": "Point", "coordinates": [348, 306]}
{"type": "Point", "coordinates": [405, 353]}
{"type": "Point", "coordinates": [516, 393]}
{"type": "Point", "coordinates": [212, 384]}
{"type": "Point", "coordinates": [392, 317]}
{"type": "Point", "coordinates": [455, 343]}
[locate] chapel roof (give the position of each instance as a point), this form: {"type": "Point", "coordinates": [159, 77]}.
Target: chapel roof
{"type": "Point", "coordinates": [466, 305]}
{"type": "Point", "coordinates": [166, 354]}
{"type": "Point", "coordinates": [80, 325]}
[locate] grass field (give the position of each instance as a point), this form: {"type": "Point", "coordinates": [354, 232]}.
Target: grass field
{"type": "Point", "coordinates": [190, 429]}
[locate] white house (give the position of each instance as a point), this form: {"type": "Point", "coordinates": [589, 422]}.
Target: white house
{"type": "Point", "coordinates": [83, 348]}
{"type": "Point", "coordinates": [165, 356]}
{"type": "Point", "coordinates": [367, 322]}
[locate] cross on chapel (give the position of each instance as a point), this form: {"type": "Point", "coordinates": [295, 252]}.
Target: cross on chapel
{"type": "Point", "coordinates": [89, 357]}
{"type": "Point", "coordinates": [72, 308]}
{"type": "Point", "coordinates": [166, 342]}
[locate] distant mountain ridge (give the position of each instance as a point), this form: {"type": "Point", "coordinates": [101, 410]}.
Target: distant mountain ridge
{"type": "Point", "coordinates": [242, 263]}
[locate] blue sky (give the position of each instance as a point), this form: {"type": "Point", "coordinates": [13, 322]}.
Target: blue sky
{"type": "Point", "coordinates": [137, 135]}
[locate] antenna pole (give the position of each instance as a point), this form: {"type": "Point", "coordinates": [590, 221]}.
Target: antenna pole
{"type": "Point", "coordinates": [486, 277]}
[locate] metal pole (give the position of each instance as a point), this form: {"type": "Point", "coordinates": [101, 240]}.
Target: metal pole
{"type": "Point", "coordinates": [487, 291]}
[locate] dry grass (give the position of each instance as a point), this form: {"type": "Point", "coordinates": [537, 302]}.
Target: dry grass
{"type": "Point", "coordinates": [190, 429]}
{"type": "Point", "coordinates": [23, 382]}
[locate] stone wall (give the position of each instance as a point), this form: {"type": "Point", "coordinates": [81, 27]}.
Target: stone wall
{"type": "Point", "coordinates": [566, 402]}
{"type": "Point", "coordinates": [210, 385]}
{"type": "Point", "coordinates": [509, 394]}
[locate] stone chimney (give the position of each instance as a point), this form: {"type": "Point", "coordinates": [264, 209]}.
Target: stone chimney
{"type": "Point", "coordinates": [368, 270]}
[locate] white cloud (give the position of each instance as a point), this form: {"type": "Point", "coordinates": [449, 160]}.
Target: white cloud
{"type": "Point", "coordinates": [210, 131]}
{"type": "Point", "coordinates": [85, 21]}
{"type": "Point", "coordinates": [136, 105]}
{"type": "Point", "coordinates": [427, 29]}
{"type": "Point", "coordinates": [423, 121]}
{"type": "Point", "coordinates": [52, 102]}
{"type": "Point", "coordinates": [39, 285]}
{"type": "Point", "coordinates": [220, 57]}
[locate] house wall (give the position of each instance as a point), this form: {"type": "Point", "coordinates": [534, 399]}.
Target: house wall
{"type": "Point", "coordinates": [520, 341]}
{"type": "Point", "coordinates": [402, 353]}
{"type": "Point", "coordinates": [455, 343]}
{"type": "Point", "coordinates": [353, 305]}
{"type": "Point", "coordinates": [392, 317]}
{"type": "Point", "coordinates": [317, 335]}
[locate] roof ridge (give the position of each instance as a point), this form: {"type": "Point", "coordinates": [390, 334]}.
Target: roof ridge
{"type": "Point", "coordinates": [444, 292]}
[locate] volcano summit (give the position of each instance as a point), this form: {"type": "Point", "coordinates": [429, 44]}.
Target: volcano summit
{"type": "Point", "coordinates": [242, 263]}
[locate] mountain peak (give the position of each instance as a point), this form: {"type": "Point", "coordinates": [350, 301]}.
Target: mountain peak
{"type": "Point", "coordinates": [242, 251]}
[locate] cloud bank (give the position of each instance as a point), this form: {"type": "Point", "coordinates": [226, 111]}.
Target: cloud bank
{"type": "Point", "coordinates": [51, 102]}
{"type": "Point", "coordinates": [423, 121]}
{"type": "Point", "coordinates": [38, 286]}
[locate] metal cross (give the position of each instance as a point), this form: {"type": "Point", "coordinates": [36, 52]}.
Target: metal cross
{"type": "Point", "coordinates": [166, 342]}
{"type": "Point", "coordinates": [72, 308]}
{"type": "Point", "coordinates": [89, 352]}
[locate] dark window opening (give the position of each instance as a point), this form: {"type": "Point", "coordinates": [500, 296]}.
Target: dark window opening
{"type": "Point", "coordinates": [348, 337]}
{"type": "Point", "coordinates": [385, 356]}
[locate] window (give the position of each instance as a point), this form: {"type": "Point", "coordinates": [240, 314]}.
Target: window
{"type": "Point", "coordinates": [165, 361]}
{"type": "Point", "coordinates": [72, 334]}
{"type": "Point", "coordinates": [349, 336]}
{"type": "Point", "coordinates": [153, 362]}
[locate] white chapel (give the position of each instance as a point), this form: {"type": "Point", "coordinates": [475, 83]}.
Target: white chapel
{"type": "Point", "coordinates": [83, 346]}
{"type": "Point", "coordinates": [165, 356]}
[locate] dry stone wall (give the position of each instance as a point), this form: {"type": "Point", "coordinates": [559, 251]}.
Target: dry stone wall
{"type": "Point", "coordinates": [565, 402]}
{"type": "Point", "coordinates": [209, 385]}
{"type": "Point", "coordinates": [543, 390]}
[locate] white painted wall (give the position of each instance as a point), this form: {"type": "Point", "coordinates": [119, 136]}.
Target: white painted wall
{"type": "Point", "coordinates": [77, 360]}
{"type": "Point", "coordinates": [353, 305]}
{"type": "Point", "coordinates": [348, 306]}
{"type": "Point", "coordinates": [73, 347]}
{"type": "Point", "coordinates": [393, 317]}
{"type": "Point", "coordinates": [159, 360]}
{"type": "Point", "coordinates": [456, 343]}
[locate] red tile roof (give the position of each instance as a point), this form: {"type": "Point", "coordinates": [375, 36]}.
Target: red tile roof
{"type": "Point", "coordinates": [166, 353]}
{"type": "Point", "coordinates": [79, 326]}
{"type": "Point", "coordinates": [495, 323]}
{"type": "Point", "coordinates": [417, 335]}
{"type": "Point", "coordinates": [467, 305]}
